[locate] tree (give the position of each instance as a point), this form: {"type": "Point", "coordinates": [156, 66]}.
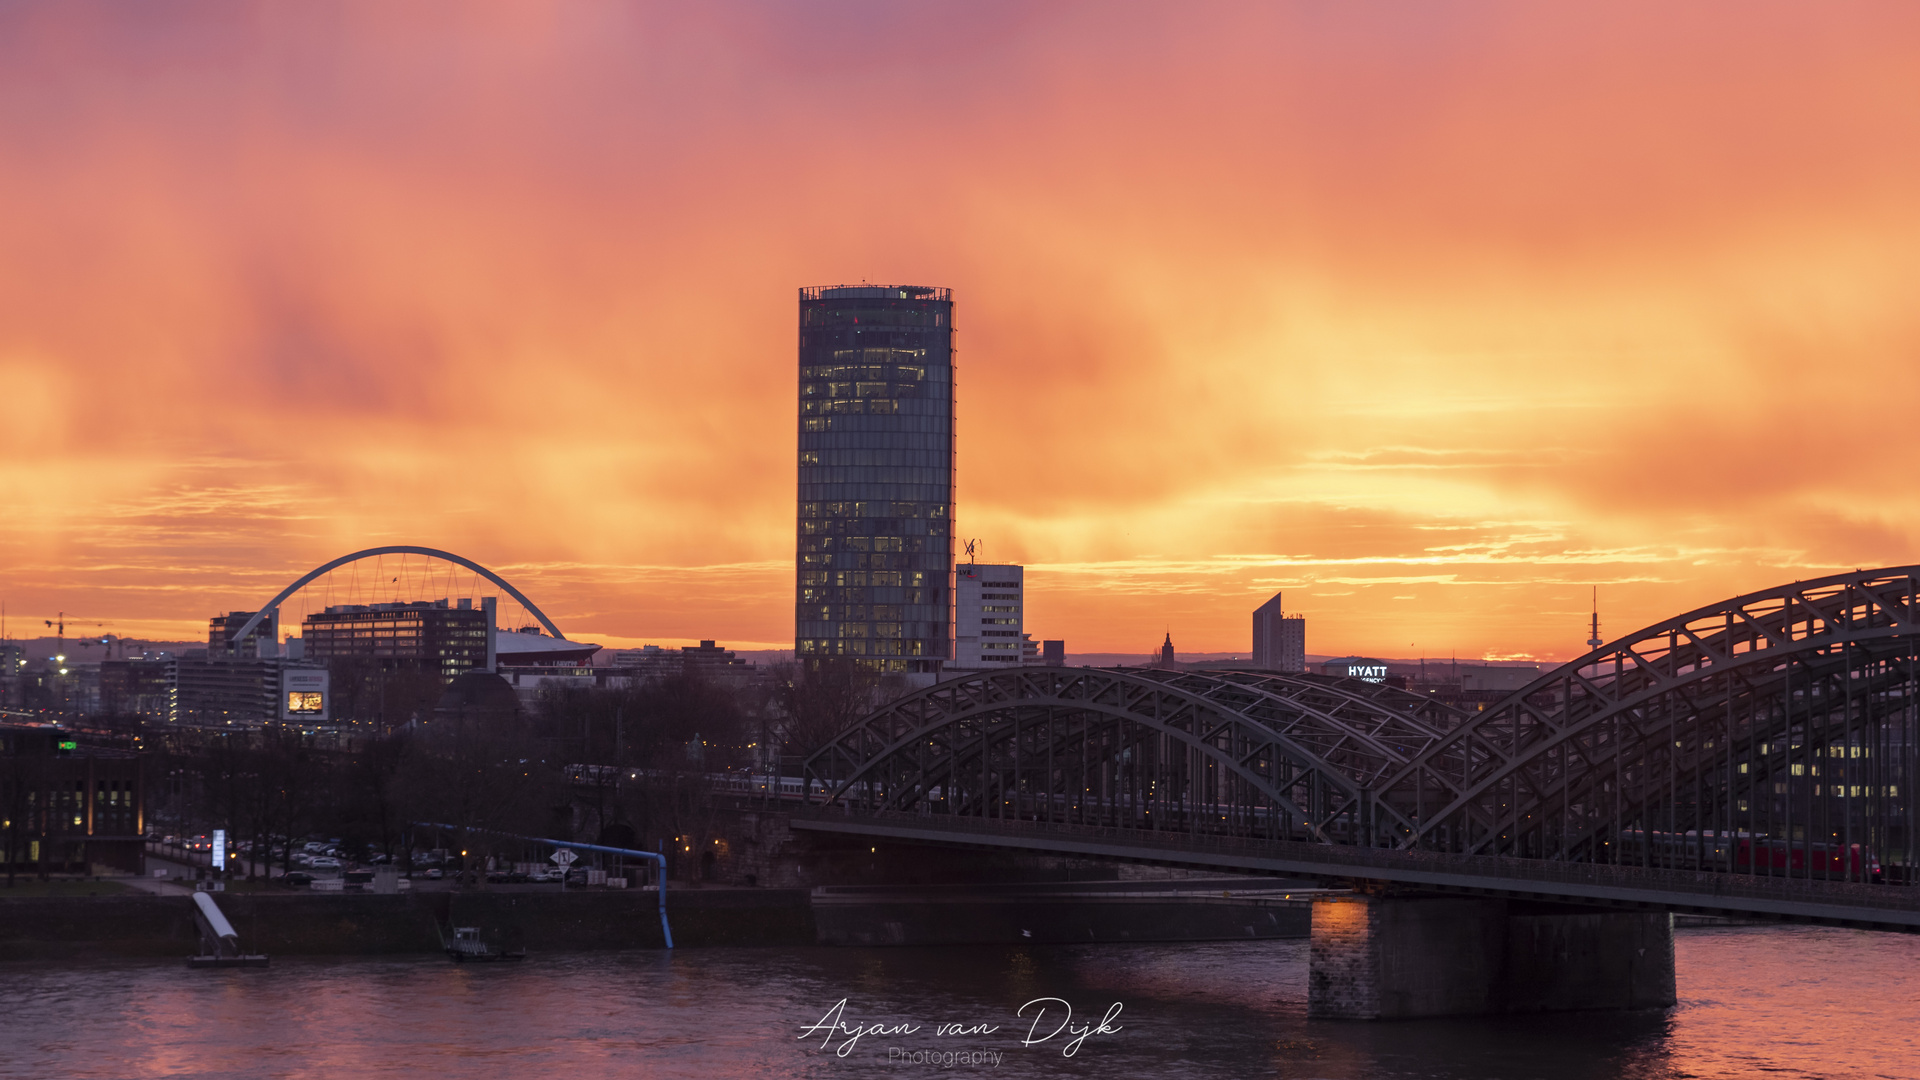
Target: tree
{"type": "Point", "coordinates": [477, 766]}
{"type": "Point", "coordinates": [376, 769]}
{"type": "Point", "coordinates": [821, 701]}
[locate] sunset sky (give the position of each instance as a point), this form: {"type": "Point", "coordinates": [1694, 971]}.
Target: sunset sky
{"type": "Point", "coordinates": [1434, 316]}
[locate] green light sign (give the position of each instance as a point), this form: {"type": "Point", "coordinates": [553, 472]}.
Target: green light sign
{"type": "Point", "coordinates": [69, 745]}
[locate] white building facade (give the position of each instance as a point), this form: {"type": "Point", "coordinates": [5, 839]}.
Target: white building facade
{"type": "Point", "coordinates": [989, 605]}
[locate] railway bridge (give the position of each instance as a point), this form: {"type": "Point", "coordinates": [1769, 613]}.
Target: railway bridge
{"type": "Point", "coordinates": [1750, 758]}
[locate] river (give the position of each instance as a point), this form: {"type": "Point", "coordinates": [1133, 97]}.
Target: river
{"type": "Point", "coordinates": [1774, 1002]}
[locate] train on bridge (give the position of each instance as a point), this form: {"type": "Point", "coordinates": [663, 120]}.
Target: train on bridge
{"type": "Point", "coordinates": [1748, 853]}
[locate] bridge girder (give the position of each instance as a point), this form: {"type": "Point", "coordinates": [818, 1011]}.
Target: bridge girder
{"type": "Point", "coordinates": [1698, 726]}
{"type": "Point", "coordinates": [1306, 753]}
{"type": "Point", "coordinates": [1706, 681]}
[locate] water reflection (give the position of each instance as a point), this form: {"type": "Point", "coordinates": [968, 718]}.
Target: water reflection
{"type": "Point", "coordinates": [1780, 1002]}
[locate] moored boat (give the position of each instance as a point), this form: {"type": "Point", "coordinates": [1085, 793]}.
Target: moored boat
{"type": "Point", "coordinates": [466, 947]}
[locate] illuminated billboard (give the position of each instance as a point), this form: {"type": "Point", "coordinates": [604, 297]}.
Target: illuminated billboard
{"type": "Point", "coordinates": [304, 695]}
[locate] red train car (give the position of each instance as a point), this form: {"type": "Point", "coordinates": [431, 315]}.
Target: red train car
{"type": "Point", "coordinates": [1854, 862]}
{"type": "Point", "coordinates": [1751, 854]}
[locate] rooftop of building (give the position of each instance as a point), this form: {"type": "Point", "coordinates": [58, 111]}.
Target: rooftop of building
{"type": "Point", "coordinates": [55, 741]}
{"type": "Point", "coordinates": [530, 643]}
{"type": "Point", "coordinates": [875, 292]}
{"type": "Point", "coordinates": [399, 605]}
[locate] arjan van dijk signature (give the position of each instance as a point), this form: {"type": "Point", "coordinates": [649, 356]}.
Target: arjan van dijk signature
{"type": "Point", "coordinates": [1048, 1018]}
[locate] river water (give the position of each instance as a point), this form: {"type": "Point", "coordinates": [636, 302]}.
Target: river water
{"type": "Point", "coordinates": [1773, 1002]}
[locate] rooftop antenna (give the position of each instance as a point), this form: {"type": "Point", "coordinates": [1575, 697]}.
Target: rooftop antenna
{"type": "Point", "coordinates": [1594, 642]}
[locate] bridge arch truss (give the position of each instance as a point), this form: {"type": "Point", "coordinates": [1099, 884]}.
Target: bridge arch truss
{"type": "Point", "coordinates": [1787, 713]}
{"type": "Point", "coordinates": [1244, 752]}
{"type": "Point", "coordinates": [1782, 717]}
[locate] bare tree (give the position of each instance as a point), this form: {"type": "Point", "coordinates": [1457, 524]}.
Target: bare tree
{"type": "Point", "coordinates": [822, 701]}
{"type": "Point", "coordinates": [477, 767]}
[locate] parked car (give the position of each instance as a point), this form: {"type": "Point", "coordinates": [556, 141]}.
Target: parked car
{"type": "Point", "coordinates": [294, 879]}
{"type": "Point", "coordinates": [324, 862]}
{"type": "Point", "coordinates": [434, 874]}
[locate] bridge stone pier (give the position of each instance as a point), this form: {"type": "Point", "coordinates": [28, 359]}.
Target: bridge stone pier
{"type": "Point", "coordinates": [1399, 957]}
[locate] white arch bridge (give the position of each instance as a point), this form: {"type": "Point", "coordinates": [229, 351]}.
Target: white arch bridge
{"type": "Point", "coordinates": [273, 605]}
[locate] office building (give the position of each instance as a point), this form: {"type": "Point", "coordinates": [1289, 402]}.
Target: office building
{"type": "Point", "coordinates": [442, 637]}
{"type": "Point", "coordinates": [72, 807]}
{"type": "Point", "coordinates": [1279, 639]}
{"type": "Point", "coordinates": [261, 640]}
{"type": "Point", "coordinates": [248, 691]}
{"type": "Point", "coordinates": [705, 660]}
{"type": "Point", "coordinates": [874, 559]}
{"type": "Point", "coordinates": [988, 601]}
{"type": "Point", "coordinates": [13, 665]}
{"type": "Point", "coordinates": [142, 688]}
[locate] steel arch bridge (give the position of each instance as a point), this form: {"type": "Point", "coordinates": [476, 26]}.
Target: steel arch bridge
{"type": "Point", "coordinates": [1782, 719]}
{"type": "Point", "coordinates": [303, 580]}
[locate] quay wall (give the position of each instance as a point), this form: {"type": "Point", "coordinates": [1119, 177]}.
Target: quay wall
{"type": "Point", "coordinates": [306, 924]}
{"type": "Point", "coordinates": [370, 925]}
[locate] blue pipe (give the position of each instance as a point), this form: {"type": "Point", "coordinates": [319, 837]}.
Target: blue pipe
{"type": "Point", "coordinates": [661, 860]}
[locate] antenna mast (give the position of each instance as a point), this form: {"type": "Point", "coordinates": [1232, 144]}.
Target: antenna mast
{"type": "Point", "coordinates": [1593, 641]}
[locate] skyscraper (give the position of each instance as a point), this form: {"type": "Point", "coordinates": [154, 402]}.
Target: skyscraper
{"type": "Point", "coordinates": [874, 560]}
{"type": "Point", "coordinates": [1279, 640]}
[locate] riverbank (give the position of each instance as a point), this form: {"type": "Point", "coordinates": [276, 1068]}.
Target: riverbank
{"type": "Point", "coordinates": [302, 924]}
{"type": "Point", "coordinates": [1197, 909]}
{"type": "Point", "coordinates": [308, 924]}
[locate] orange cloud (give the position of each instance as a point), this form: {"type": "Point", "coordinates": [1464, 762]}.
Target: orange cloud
{"type": "Point", "coordinates": [1431, 318]}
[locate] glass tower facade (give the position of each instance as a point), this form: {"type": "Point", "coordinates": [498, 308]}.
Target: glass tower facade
{"type": "Point", "coordinates": [874, 559]}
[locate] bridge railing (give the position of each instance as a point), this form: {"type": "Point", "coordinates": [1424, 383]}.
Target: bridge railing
{"type": "Point", "coordinates": [1387, 863]}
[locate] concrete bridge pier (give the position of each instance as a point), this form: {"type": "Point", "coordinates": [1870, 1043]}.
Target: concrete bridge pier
{"type": "Point", "coordinates": [1398, 957]}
